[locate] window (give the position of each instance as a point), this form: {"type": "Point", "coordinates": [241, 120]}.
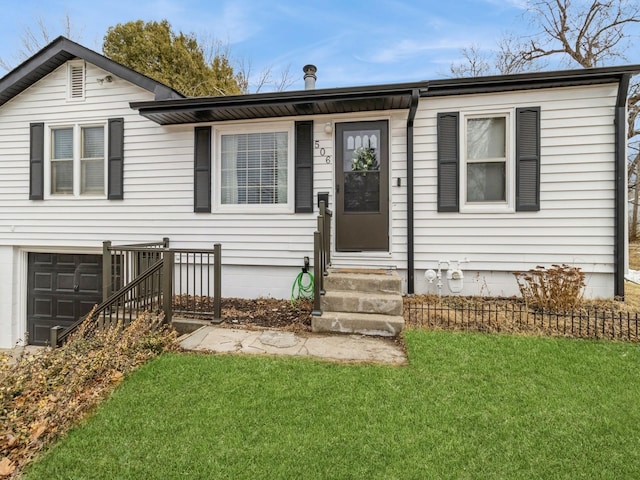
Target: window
{"type": "Point", "coordinates": [486, 159]}
{"type": "Point", "coordinates": [489, 162]}
{"type": "Point", "coordinates": [254, 168]}
{"type": "Point", "coordinates": [77, 160]}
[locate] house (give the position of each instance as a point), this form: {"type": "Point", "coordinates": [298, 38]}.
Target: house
{"type": "Point", "coordinates": [505, 172]}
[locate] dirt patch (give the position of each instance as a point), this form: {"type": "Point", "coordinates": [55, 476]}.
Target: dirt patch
{"type": "Point", "coordinates": [268, 313]}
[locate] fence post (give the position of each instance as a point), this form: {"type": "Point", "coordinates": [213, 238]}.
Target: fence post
{"type": "Point", "coordinates": [217, 281]}
{"type": "Point", "coordinates": [107, 274]}
{"type": "Point", "coordinates": [167, 285]}
{"type": "Point", "coordinates": [165, 242]}
{"type": "Point", "coordinates": [317, 274]}
{"type": "Point", "coordinates": [54, 333]}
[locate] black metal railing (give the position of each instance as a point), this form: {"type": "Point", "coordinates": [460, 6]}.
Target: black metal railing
{"type": "Point", "coordinates": [197, 282]}
{"type": "Point", "coordinates": [321, 255]}
{"type": "Point", "coordinates": [516, 317]}
{"type": "Point", "coordinates": [123, 306]}
{"type": "Point", "coordinates": [121, 264]}
{"type": "Point", "coordinates": [153, 277]}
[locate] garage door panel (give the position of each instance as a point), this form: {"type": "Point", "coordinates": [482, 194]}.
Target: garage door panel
{"type": "Point", "coordinates": [85, 307]}
{"type": "Point", "coordinates": [64, 282]}
{"type": "Point", "coordinates": [66, 260]}
{"type": "Point", "coordinates": [41, 259]}
{"type": "Point", "coordinates": [65, 310]}
{"type": "Point", "coordinates": [61, 289]}
{"type": "Point", "coordinates": [43, 307]}
{"type": "Point", "coordinates": [43, 281]}
{"type": "Point", "coordinates": [91, 261]}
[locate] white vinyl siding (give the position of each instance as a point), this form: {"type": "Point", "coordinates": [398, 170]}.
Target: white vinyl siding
{"type": "Point", "coordinates": [575, 223]}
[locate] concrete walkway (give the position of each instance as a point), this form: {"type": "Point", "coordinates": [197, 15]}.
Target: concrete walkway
{"type": "Point", "coordinates": [347, 348]}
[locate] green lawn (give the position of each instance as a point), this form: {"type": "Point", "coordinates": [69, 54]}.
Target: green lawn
{"type": "Point", "coordinates": [467, 406]}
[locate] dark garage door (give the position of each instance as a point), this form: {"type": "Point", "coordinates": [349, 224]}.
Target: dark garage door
{"type": "Point", "coordinates": [61, 289]}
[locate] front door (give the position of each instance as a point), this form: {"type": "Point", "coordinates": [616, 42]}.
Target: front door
{"type": "Point", "coordinates": [362, 186]}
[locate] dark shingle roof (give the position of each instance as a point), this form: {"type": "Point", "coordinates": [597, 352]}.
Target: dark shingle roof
{"type": "Point", "coordinates": [361, 99]}
{"type": "Point", "coordinates": [60, 51]}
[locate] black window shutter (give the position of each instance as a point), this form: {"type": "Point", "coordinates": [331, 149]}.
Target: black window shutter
{"type": "Point", "coordinates": [202, 170]}
{"type": "Point", "coordinates": [36, 161]}
{"type": "Point", "coordinates": [528, 159]}
{"type": "Point", "coordinates": [448, 162]}
{"type": "Point", "coordinates": [115, 156]}
{"type": "Point", "coordinates": [304, 167]}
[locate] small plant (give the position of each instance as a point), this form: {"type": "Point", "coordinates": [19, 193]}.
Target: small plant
{"type": "Point", "coordinates": [557, 288]}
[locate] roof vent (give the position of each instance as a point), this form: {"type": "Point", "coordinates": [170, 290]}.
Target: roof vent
{"type": "Point", "coordinates": [309, 76]}
{"type": "Point", "coordinates": [76, 80]}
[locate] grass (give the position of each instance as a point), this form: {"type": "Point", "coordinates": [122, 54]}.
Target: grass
{"type": "Point", "coordinates": [467, 406]}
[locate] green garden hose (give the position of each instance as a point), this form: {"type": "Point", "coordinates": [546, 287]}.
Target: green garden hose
{"type": "Point", "coordinates": [300, 289]}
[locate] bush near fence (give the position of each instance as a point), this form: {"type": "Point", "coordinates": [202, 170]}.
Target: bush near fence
{"type": "Point", "coordinates": [608, 320]}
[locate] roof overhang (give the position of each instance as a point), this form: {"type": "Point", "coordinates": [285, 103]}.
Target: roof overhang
{"type": "Point", "coordinates": [281, 104]}
{"type": "Point", "coordinates": [360, 99]}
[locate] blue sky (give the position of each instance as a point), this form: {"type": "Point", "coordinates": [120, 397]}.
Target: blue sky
{"type": "Point", "coordinates": [352, 42]}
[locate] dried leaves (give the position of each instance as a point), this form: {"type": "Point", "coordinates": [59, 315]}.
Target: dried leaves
{"type": "Point", "coordinates": [44, 394]}
{"type": "Point", "coordinates": [557, 288]}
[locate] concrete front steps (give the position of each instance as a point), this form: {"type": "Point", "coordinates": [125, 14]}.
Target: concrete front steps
{"type": "Point", "coordinates": [363, 301]}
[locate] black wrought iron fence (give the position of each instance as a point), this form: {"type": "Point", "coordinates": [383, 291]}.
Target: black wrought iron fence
{"type": "Point", "coordinates": [197, 282]}
{"type": "Point", "coordinates": [516, 317]}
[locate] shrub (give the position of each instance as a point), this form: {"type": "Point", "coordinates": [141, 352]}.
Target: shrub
{"type": "Point", "coordinates": [556, 288]}
{"type": "Point", "coordinates": [43, 394]}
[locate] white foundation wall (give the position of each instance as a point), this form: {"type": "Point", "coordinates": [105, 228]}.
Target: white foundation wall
{"type": "Point", "coordinates": [12, 329]}
{"type": "Point", "coordinates": [502, 284]}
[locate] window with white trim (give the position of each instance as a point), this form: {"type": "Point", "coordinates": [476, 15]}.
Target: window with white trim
{"type": "Point", "coordinates": [486, 161]}
{"type": "Point", "coordinates": [255, 167]}
{"type": "Point", "coordinates": [77, 161]}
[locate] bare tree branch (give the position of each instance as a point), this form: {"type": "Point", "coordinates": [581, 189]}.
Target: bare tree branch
{"type": "Point", "coordinates": [589, 34]}
{"type": "Point", "coordinates": [33, 39]}
{"type": "Point", "coordinates": [475, 63]}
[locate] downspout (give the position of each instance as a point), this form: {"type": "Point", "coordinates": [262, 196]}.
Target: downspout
{"type": "Point", "coordinates": [620, 217]}
{"type": "Point", "coordinates": [415, 96]}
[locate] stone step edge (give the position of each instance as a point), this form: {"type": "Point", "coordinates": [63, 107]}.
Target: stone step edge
{"type": "Point", "coordinates": [366, 282]}
{"type": "Point", "coordinates": [358, 302]}
{"type": "Point", "coordinates": [359, 323]}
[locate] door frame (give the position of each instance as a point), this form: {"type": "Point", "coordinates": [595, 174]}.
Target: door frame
{"type": "Point", "coordinates": [384, 124]}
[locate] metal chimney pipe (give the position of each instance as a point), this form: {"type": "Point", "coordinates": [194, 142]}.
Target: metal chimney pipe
{"type": "Point", "coordinates": [309, 76]}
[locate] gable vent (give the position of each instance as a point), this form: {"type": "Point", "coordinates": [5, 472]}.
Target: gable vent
{"type": "Point", "coordinates": [76, 80]}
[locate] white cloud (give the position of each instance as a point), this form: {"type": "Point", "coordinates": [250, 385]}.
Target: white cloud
{"type": "Point", "coordinates": [519, 4]}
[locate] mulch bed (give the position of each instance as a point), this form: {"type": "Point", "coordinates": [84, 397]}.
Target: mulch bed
{"type": "Point", "coordinates": [260, 312]}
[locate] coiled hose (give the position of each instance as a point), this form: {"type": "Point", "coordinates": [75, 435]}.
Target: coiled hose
{"type": "Point", "coordinates": [300, 289]}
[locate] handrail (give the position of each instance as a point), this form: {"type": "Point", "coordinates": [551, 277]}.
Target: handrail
{"type": "Point", "coordinates": [321, 255]}
{"type": "Point", "coordinates": [152, 275]}
{"type": "Point", "coordinates": [60, 334]}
